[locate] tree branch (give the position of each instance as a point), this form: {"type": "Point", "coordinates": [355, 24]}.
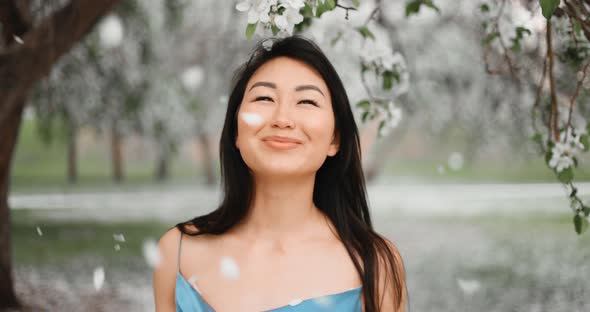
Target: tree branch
{"type": "Point", "coordinates": [24, 64]}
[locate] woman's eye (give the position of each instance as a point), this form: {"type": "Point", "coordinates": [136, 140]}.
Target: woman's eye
{"type": "Point", "coordinates": [312, 102]}
{"type": "Point", "coordinates": [263, 98]}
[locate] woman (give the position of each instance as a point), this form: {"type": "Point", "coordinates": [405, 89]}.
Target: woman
{"type": "Point", "coordinates": [293, 232]}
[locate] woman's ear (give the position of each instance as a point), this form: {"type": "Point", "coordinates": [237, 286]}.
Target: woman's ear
{"type": "Point", "coordinates": [335, 145]}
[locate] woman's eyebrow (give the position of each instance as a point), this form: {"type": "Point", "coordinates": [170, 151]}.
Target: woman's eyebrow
{"type": "Point", "coordinates": [263, 84]}
{"type": "Point", "coordinates": [309, 87]}
{"type": "Point", "coordinates": [274, 86]}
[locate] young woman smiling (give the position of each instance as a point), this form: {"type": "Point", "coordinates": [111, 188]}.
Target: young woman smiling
{"type": "Point", "coordinates": [293, 231]}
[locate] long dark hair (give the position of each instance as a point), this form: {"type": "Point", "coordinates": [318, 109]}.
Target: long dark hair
{"type": "Point", "coordinates": [339, 190]}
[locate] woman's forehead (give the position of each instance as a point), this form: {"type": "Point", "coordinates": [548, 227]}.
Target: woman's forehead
{"type": "Point", "coordinates": [287, 72]}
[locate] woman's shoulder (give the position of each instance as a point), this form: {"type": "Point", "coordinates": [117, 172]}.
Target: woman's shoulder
{"type": "Point", "coordinates": [170, 240]}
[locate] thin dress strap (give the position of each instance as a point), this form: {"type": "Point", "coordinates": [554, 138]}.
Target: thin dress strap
{"type": "Point", "coordinates": [179, 245]}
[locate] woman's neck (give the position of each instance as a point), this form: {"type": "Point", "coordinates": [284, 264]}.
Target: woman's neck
{"type": "Point", "coordinates": [282, 211]}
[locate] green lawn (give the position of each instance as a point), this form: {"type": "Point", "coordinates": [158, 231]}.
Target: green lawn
{"type": "Point", "coordinates": [63, 241]}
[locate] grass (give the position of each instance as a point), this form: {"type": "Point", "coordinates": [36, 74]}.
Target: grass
{"type": "Point", "coordinates": [62, 241]}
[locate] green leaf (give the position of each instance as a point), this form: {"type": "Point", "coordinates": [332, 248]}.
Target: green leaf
{"type": "Point", "coordinates": [356, 3]}
{"type": "Point", "coordinates": [364, 104]}
{"type": "Point", "coordinates": [578, 27]}
{"type": "Point", "coordinates": [250, 30]}
{"type": "Point", "coordinates": [484, 8]}
{"type": "Point", "coordinates": [327, 5]}
{"type": "Point", "coordinates": [413, 7]}
{"type": "Point", "coordinates": [521, 31]}
{"type": "Point", "coordinates": [381, 125]}
{"type": "Point", "coordinates": [388, 77]}
{"type": "Point", "coordinates": [584, 140]}
{"type": "Point", "coordinates": [490, 37]}
{"type": "Point", "coordinates": [335, 40]}
{"type": "Point", "coordinates": [586, 210]}
{"type": "Point", "coordinates": [364, 116]}
{"type": "Point", "coordinates": [364, 30]}
{"type": "Point", "coordinates": [548, 156]}
{"type": "Point", "coordinates": [330, 4]}
{"type": "Point", "coordinates": [548, 7]}
{"type": "Point", "coordinates": [515, 46]}
{"type": "Point", "coordinates": [580, 224]}
{"type": "Point", "coordinates": [566, 175]}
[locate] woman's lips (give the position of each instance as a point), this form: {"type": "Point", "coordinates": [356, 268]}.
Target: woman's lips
{"type": "Point", "coordinates": [281, 145]}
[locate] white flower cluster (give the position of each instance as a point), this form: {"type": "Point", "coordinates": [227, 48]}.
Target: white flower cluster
{"type": "Point", "coordinates": [393, 116]}
{"type": "Point", "coordinates": [564, 151]}
{"type": "Point", "coordinates": [377, 55]}
{"type": "Point", "coordinates": [379, 58]}
{"type": "Point", "coordinates": [283, 14]}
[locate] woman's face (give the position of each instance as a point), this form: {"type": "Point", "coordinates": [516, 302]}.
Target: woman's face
{"type": "Point", "coordinates": [287, 98]}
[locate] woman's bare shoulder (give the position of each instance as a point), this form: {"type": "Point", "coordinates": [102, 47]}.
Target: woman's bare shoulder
{"type": "Point", "coordinates": [170, 240]}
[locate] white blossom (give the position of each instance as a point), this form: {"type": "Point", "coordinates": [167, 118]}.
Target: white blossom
{"type": "Point", "coordinates": [111, 31]}
{"type": "Point", "coordinates": [98, 278]}
{"type": "Point", "coordinates": [266, 13]}
{"type": "Point", "coordinates": [562, 154]}
{"type": "Point", "coordinates": [192, 78]}
{"type": "Point", "coordinates": [455, 161]}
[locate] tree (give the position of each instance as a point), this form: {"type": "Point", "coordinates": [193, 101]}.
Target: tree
{"type": "Point", "coordinates": [28, 51]}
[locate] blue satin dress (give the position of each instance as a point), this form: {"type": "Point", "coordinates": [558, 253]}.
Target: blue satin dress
{"type": "Point", "coordinates": [188, 299]}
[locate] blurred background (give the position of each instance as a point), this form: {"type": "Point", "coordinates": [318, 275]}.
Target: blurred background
{"type": "Point", "coordinates": [118, 142]}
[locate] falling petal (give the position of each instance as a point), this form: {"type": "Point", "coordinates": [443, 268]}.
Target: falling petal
{"type": "Point", "coordinates": [251, 119]}
{"type": "Point", "coordinates": [117, 247]}
{"type": "Point", "coordinates": [456, 161]}
{"type": "Point", "coordinates": [193, 282]}
{"type": "Point", "coordinates": [267, 44]}
{"type": "Point", "coordinates": [229, 268]}
{"type": "Point", "coordinates": [18, 39]}
{"type": "Point", "coordinates": [151, 253]}
{"type": "Point", "coordinates": [119, 237]}
{"type": "Point", "coordinates": [39, 232]}
{"type": "Point", "coordinates": [111, 31]}
{"type": "Point", "coordinates": [469, 286]}
{"type": "Point", "coordinates": [295, 302]}
{"type": "Point", "coordinates": [324, 301]}
{"type": "Point", "coordinates": [98, 278]}
{"type": "Point", "coordinates": [192, 78]}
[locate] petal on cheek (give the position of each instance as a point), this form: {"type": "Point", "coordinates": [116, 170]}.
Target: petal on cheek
{"type": "Point", "coordinates": [251, 119]}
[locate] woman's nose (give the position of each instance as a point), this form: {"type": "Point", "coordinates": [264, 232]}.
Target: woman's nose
{"type": "Point", "coordinates": [281, 116]}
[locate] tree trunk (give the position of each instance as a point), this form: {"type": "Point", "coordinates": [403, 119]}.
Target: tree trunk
{"type": "Point", "coordinates": [9, 131]}
{"type": "Point", "coordinates": [116, 151]}
{"type": "Point", "coordinates": [21, 66]}
{"type": "Point", "coordinates": [162, 171]}
{"type": "Point", "coordinates": [72, 152]}
{"type": "Point", "coordinates": [207, 159]}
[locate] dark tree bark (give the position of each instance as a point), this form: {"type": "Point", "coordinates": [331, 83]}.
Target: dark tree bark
{"type": "Point", "coordinates": [21, 65]}
{"type": "Point", "coordinates": [162, 162]}
{"type": "Point", "coordinates": [9, 133]}
{"type": "Point", "coordinates": [207, 159]}
{"type": "Point", "coordinates": [116, 152]}
{"type": "Point", "coordinates": [72, 152]}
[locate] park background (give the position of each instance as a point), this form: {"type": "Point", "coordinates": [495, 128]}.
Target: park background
{"type": "Point", "coordinates": [116, 147]}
